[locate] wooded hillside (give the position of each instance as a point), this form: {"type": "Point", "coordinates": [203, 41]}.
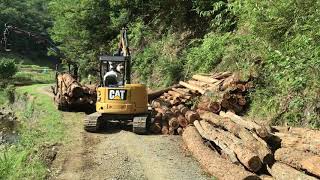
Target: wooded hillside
{"type": "Point", "coordinates": [276, 42]}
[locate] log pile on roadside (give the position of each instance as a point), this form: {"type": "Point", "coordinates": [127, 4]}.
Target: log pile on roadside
{"type": "Point", "coordinates": [176, 107]}
{"type": "Point", "coordinates": [69, 93]}
{"type": "Point", "coordinates": [204, 110]}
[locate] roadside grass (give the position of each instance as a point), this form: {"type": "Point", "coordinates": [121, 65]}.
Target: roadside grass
{"type": "Point", "coordinates": [33, 74]}
{"type": "Point", "coordinates": [40, 125]}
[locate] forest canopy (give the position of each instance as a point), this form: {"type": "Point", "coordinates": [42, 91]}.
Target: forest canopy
{"type": "Point", "coordinates": [275, 41]}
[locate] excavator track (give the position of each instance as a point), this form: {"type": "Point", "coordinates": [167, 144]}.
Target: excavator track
{"type": "Point", "coordinates": [92, 122]}
{"type": "Point", "coordinates": [141, 124]}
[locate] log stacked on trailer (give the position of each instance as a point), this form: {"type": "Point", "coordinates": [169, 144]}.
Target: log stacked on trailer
{"type": "Point", "coordinates": [68, 92]}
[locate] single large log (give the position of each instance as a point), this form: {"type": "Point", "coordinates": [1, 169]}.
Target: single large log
{"type": "Point", "coordinates": [210, 160]}
{"type": "Point", "coordinates": [173, 123]}
{"type": "Point", "coordinates": [246, 156]}
{"type": "Point", "coordinates": [264, 152]}
{"type": "Point", "coordinates": [305, 133]}
{"type": "Point", "coordinates": [204, 79]}
{"type": "Point", "coordinates": [262, 131]}
{"type": "Point", "coordinates": [304, 144]}
{"type": "Point", "coordinates": [69, 86]}
{"type": "Point", "coordinates": [192, 87]}
{"type": "Point", "coordinates": [300, 160]}
{"type": "Point", "coordinates": [226, 150]}
{"type": "Point", "coordinates": [282, 171]}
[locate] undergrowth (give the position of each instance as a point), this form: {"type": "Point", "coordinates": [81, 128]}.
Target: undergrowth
{"type": "Point", "coordinates": [40, 124]}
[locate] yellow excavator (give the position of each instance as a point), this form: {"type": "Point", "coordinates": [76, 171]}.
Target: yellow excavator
{"type": "Point", "coordinates": [117, 98]}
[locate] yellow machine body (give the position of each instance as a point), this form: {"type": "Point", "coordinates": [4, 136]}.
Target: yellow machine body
{"type": "Point", "coordinates": [129, 99]}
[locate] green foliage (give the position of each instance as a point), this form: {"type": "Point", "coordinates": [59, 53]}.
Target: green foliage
{"type": "Point", "coordinates": [275, 41]}
{"type": "Point", "coordinates": [205, 57]}
{"type": "Point", "coordinates": [30, 15]}
{"type": "Point", "coordinates": [7, 95]}
{"type": "Point", "coordinates": [8, 68]}
{"type": "Point", "coordinates": [41, 124]}
{"type": "Point", "coordinates": [158, 65]}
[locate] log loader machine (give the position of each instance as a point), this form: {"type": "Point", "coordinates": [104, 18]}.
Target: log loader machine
{"type": "Point", "coordinates": [117, 98]}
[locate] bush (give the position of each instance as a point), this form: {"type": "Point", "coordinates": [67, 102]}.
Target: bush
{"type": "Point", "coordinates": [8, 68]}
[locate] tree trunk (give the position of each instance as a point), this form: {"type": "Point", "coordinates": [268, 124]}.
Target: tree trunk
{"type": "Point", "coordinates": [246, 156]}
{"type": "Point", "coordinates": [239, 131]}
{"type": "Point", "coordinates": [282, 171]}
{"type": "Point", "coordinates": [262, 131]}
{"type": "Point", "coordinates": [173, 123]}
{"type": "Point", "coordinates": [301, 160]}
{"type": "Point", "coordinates": [226, 150]}
{"type": "Point", "coordinates": [210, 160]}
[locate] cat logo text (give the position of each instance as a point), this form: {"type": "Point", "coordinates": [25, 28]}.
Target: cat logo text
{"type": "Point", "coordinates": [117, 94]}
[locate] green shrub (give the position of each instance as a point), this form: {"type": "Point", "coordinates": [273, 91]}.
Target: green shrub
{"type": "Point", "coordinates": [8, 68]}
{"type": "Point", "coordinates": [206, 56]}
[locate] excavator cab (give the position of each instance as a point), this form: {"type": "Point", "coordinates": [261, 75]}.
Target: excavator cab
{"type": "Point", "coordinates": [117, 98]}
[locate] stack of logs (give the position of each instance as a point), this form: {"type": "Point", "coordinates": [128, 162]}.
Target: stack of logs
{"type": "Point", "coordinates": [204, 111]}
{"type": "Point", "coordinates": [69, 92]}
{"type": "Point", "coordinates": [252, 151]}
{"type": "Point", "coordinates": [175, 107]}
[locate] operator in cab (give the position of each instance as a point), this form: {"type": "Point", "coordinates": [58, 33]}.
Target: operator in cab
{"type": "Point", "coordinates": [114, 77]}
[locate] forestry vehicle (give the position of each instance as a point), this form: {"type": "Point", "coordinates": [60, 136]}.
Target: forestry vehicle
{"type": "Point", "coordinates": [117, 98]}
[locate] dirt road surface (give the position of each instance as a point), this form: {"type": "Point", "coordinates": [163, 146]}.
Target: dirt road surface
{"type": "Point", "coordinates": [116, 154]}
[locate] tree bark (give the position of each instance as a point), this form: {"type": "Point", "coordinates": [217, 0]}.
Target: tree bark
{"type": "Point", "coordinates": [239, 131]}
{"type": "Point", "coordinates": [210, 160]}
{"type": "Point", "coordinates": [246, 156]}
{"type": "Point", "coordinates": [300, 160]}
{"type": "Point", "coordinates": [282, 171]}
{"type": "Point", "coordinates": [231, 156]}
{"type": "Point", "coordinates": [262, 131]}
{"type": "Point", "coordinates": [173, 123]}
